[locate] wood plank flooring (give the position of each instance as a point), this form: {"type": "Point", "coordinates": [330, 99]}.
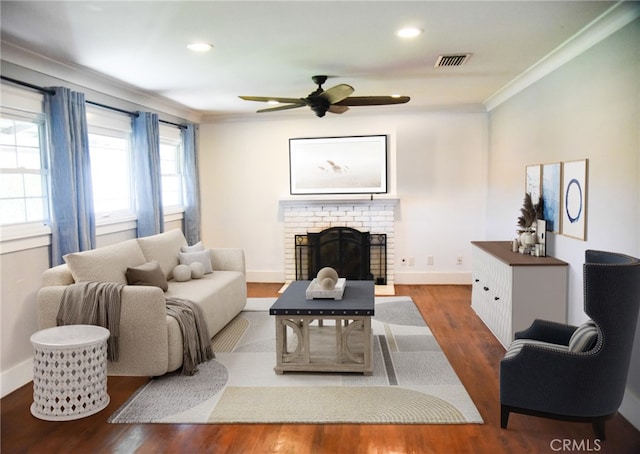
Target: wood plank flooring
{"type": "Point", "coordinates": [472, 350]}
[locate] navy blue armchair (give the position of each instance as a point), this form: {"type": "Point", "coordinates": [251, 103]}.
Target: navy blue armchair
{"type": "Point", "coordinates": [578, 373]}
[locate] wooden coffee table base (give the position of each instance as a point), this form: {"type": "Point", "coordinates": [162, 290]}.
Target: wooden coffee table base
{"type": "Point", "coordinates": [324, 343]}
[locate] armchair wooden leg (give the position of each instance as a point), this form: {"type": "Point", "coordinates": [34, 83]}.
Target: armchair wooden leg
{"type": "Point", "coordinates": [504, 416]}
{"type": "Point", "coordinates": [598, 428]}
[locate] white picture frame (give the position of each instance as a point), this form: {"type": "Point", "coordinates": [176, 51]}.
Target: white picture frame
{"type": "Point", "coordinates": [338, 165]}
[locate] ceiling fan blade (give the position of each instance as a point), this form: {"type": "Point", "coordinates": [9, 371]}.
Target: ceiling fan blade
{"type": "Point", "coordinates": [337, 109]}
{"type": "Point", "coordinates": [337, 93]}
{"type": "Point", "coordinates": [285, 107]}
{"type": "Point", "coordinates": [372, 100]}
{"type": "Point", "coordinates": [267, 99]}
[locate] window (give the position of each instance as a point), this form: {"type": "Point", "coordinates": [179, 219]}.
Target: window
{"type": "Point", "coordinates": [110, 174]}
{"type": "Point", "coordinates": [23, 169]}
{"type": "Point", "coordinates": [23, 177]}
{"type": "Point", "coordinates": [171, 160]}
{"type": "Point", "coordinates": [110, 150]}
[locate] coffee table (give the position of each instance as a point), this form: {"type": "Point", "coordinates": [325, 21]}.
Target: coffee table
{"type": "Point", "coordinates": [330, 335]}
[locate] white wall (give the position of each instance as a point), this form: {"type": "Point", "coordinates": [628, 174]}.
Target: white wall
{"type": "Point", "coordinates": [589, 108]}
{"type": "Point", "coordinates": [437, 168]}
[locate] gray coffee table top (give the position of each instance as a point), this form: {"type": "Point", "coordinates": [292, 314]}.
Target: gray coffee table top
{"type": "Point", "coordinates": [358, 299]}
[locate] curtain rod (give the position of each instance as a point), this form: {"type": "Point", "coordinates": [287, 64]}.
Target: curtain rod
{"type": "Point", "coordinates": [52, 92]}
{"type": "Point", "coordinates": [28, 85]}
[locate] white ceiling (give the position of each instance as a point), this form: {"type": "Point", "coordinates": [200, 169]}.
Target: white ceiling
{"type": "Point", "coordinates": [272, 48]}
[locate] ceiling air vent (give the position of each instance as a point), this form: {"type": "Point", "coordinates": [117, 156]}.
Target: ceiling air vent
{"type": "Point", "coordinates": [452, 60]}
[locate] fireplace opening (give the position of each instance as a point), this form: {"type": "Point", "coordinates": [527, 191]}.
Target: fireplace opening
{"type": "Point", "coordinates": [355, 255]}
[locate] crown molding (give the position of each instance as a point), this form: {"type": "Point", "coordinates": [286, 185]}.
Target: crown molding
{"type": "Point", "coordinates": [44, 71]}
{"type": "Point", "coordinates": [609, 22]}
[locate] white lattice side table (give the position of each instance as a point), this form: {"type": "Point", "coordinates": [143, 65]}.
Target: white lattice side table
{"type": "Point", "coordinates": [69, 372]}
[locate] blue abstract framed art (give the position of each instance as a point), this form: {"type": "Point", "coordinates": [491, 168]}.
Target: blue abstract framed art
{"type": "Point", "coordinates": [574, 199]}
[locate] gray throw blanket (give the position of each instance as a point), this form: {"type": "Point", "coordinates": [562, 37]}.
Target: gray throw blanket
{"type": "Point", "coordinates": [195, 334]}
{"type": "Point", "coordinates": [98, 303]}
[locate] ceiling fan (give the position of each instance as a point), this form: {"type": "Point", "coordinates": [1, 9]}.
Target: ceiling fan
{"type": "Point", "coordinates": [335, 99]}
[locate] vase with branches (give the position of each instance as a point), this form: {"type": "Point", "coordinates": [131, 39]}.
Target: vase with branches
{"type": "Point", "coordinates": [529, 214]}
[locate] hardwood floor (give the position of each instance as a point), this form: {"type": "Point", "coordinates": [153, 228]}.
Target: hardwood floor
{"type": "Point", "coordinates": [472, 350]}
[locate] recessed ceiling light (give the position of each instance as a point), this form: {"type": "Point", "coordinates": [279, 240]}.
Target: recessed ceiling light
{"type": "Point", "coordinates": [199, 47]}
{"type": "Point", "coordinates": [409, 32]}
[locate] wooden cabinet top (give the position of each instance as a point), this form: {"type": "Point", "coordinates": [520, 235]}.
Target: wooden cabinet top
{"type": "Point", "coordinates": [502, 251]}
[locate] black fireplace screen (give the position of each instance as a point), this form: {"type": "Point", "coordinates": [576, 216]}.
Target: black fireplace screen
{"type": "Point", "coordinates": [355, 255]}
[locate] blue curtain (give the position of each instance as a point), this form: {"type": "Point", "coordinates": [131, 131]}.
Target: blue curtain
{"type": "Point", "coordinates": [147, 174]}
{"type": "Point", "coordinates": [191, 185]}
{"type": "Point", "coordinates": [72, 221]}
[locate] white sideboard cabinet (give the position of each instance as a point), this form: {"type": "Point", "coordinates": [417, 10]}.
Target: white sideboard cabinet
{"type": "Point", "coordinates": [510, 290]}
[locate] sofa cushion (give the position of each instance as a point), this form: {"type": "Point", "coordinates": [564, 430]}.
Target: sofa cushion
{"type": "Point", "coordinates": [105, 264]}
{"type": "Point", "coordinates": [204, 257]}
{"type": "Point", "coordinates": [220, 295]}
{"type": "Point", "coordinates": [149, 273]}
{"type": "Point", "coordinates": [163, 247]}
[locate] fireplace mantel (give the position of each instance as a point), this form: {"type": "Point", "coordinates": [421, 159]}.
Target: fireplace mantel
{"type": "Point", "coordinates": [352, 200]}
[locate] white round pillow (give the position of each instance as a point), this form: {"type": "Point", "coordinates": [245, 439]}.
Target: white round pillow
{"type": "Point", "coordinates": [197, 270]}
{"type": "Point", "coordinates": [182, 273]}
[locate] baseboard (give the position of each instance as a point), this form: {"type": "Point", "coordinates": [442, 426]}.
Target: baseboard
{"type": "Point", "coordinates": [415, 278]}
{"type": "Point", "coordinates": [265, 276]}
{"type": "Point", "coordinates": [16, 377]}
{"type": "Point", "coordinates": [433, 278]}
{"type": "Point", "coordinates": [630, 408]}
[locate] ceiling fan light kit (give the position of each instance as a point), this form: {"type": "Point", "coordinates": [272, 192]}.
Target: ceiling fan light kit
{"type": "Point", "coordinates": [335, 99]}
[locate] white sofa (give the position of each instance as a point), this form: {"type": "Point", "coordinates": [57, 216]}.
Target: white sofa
{"type": "Point", "coordinates": [150, 342]}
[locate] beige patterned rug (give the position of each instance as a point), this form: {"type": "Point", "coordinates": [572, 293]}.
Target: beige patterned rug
{"type": "Point", "coordinates": [412, 382]}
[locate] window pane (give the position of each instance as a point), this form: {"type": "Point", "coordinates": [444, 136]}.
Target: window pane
{"type": "Point", "coordinates": [11, 185]}
{"type": "Point", "coordinates": [110, 173]}
{"type": "Point", "coordinates": [7, 132]}
{"type": "Point", "coordinates": [27, 134]}
{"type": "Point", "coordinates": [171, 168]}
{"type": "Point", "coordinates": [29, 158]}
{"type": "Point", "coordinates": [8, 158]}
{"type": "Point", "coordinates": [12, 211]}
{"type": "Point", "coordinates": [36, 209]}
{"type": "Point", "coordinates": [34, 185]}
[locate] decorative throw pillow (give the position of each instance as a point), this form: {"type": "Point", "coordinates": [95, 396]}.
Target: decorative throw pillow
{"type": "Point", "coordinates": [197, 270]}
{"type": "Point", "coordinates": [148, 274]}
{"type": "Point", "coordinates": [182, 273]}
{"type": "Point", "coordinates": [584, 338]}
{"type": "Point", "coordinates": [163, 247]}
{"type": "Point", "coordinates": [194, 248]}
{"type": "Point", "coordinates": [204, 257]}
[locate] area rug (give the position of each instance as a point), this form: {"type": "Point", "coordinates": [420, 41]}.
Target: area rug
{"type": "Point", "coordinates": [412, 382]}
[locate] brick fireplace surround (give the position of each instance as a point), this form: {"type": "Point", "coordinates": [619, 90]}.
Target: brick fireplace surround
{"type": "Point", "coordinates": [302, 216]}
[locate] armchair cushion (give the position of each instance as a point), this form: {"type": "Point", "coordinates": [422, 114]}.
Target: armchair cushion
{"type": "Point", "coordinates": [584, 338]}
{"type": "Point", "coordinates": [517, 345]}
